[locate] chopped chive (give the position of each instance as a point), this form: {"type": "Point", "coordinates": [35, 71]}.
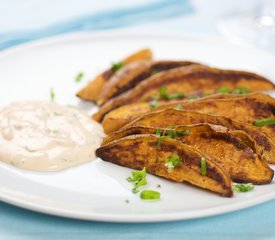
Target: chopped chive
{"type": "Point", "coordinates": [203, 166]}
{"type": "Point", "coordinates": [79, 77]}
{"type": "Point", "coordinates": [264, 122]}
{"type": "Point", "coordinates": [173, 161]}
{"type": "Point", "coordinates": [162, 136]}
{"type": "Point", "coordinates": [154, 71]}
{"type": "Point", "coordinates": [52, 94]}
{"type": "Point", "coordinates": [150, 195]}
{"type": "Point", "coordinates": [175, 96]}
{"type": "Point", "coordinates": [154, 104]}
{"type": "Point", "coordinates": [116, 66]}
{"type": "Point", "coordinates": [163, 94]}
{"type": "Point", "coordinates": [160, 141]}
{"type": "Point", "coordinates": [243, 187]}
{"type": "Point", "coordinates": [183, 132]}
{"type": "Point", "coordinates": [171, 132]}
{"type": "Point", "coordinates": [223, 90]}
{"type": "Point", "coordinates": [127, 200]}
{"type": "Point", "coordinates": [158, 132]}
{"type": "Point", "coordinates": [138, 178]}
{"type": "Point", "coordinates": [241, 90]}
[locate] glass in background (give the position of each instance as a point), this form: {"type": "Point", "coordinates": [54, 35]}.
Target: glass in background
{"type": "Point", "coordinates": [255, 27]}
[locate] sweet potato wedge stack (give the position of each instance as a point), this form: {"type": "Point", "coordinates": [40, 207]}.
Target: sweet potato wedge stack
{"type": "Point", "coordinates": [133, 74]}
{"type": "Point", "coordinates": [94, 87]}
{"type": "Point", "coordinates": [138, 151]}
{"type": "Point", "coordinates": [233, 150]}
{"type": "Point", "coordinates": [188, 80]}
{"type": "Point", "coordinates": [265, 146]}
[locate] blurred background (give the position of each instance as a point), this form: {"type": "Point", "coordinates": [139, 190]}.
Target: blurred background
{"type": "Point", "coordinates": [249, 22]}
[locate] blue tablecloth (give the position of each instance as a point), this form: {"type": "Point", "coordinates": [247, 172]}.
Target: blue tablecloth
{"type": "Point", "coordinates": [253, 223]}
{"type": "Point", "coordinates": [15, 223]}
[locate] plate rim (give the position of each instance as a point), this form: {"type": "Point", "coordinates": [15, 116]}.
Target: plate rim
{"type": "Point", "coordinates": [127, 218]}
{"type": "Point", "coordinates": [136, 218]}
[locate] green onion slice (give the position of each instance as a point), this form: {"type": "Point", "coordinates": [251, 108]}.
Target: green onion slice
{"type": "Point", "coordinates": [243, 187]}
{"type": "Point", "coordinates": [79, 76]}
{"type": "Point", "coordinates": [264, 122]}
{"type": "Point", "coordinates": [150, 195]}
{"type": "Point", "coordinates": [163, 94]}
{"type": "Point", "coordinates": [223, 90]}
{"type": "Point", "coordinates": [154, 104]}
{"type": "Point", "coordinates": [172, 162]}
{"type": "Point", "coordinates": [171, 132]}
{"type": "Point", "coordinates": [138, 179]}
{"type": "Point", "coordinates": [52, 94]}
{"type": "Point", "coordinates": [116, 66]}
{"type": "Point", "coordinates": [241, 90]}
{"type": "Point", "coordinates": [203, 166]}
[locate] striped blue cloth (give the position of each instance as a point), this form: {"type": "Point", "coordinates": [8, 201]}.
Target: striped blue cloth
{"type": "Point", "coordinates": [152, 11]}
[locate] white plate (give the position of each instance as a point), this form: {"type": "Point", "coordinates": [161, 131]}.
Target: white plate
{"type": "Point", "coordinates": [98, 190]}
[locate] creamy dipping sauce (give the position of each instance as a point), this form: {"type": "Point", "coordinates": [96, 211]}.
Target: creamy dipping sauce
{"type": "Point", "coordinates": [44, 136]}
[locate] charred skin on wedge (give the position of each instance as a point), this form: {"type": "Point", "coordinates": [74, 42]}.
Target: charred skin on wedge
{"type": "Point", "coordinates": [233, 150]}
{"type": "Point", "coordinates": [94, 87]}
{"type": "Point", "coordinates": [190, 80]}
{"type": "Point", "coordinates": [265, 147]}
{"type": "Point", "coordinates": [134, 73]}
{"type": "Point", "coordinates": [138, 151]}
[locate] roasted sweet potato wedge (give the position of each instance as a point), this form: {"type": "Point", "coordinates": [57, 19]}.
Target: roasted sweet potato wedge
{"type": "Point", "coordinates": [133, 74]}
{"type": "Point", "coordinates": [233, 150]}
{"type": "Point", "coordinates": [120, 116]}
{"type": "Point", "coordinates": [188, 80]}
{"type": "Point", "coordinates": [92, 90]}
{"type": "Point", "coordinates": [244, 108]}
{"type": "Point", "coordinates": [138, 151]}
{"type": "Point", "coordinates": [265, 147]}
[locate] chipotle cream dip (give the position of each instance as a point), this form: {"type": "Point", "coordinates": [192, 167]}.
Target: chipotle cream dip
{"type": "Point", "coordinates": [45, 136]}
